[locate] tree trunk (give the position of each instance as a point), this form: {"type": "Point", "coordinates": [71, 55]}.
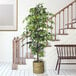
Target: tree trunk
{"type": "Point", "coordinates": [37, 56]}
{"type": "Point", "coordinates": [37, 52]}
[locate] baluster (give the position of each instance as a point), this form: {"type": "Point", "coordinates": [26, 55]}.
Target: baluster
{"type": "Point", "coordinates": [55, 27]}
{"type": "Point", "coordinates": [22, 53]}
{"type": "Point", "coordinates": [26, 48]}
{"type": "Point", "coordinates": [75, 10]}
{"type": "Point", "coordinates": [19, 47]}
{"type": "Point", "coordinates": [59, 23]}
{"type": "Point", "coordinates": [68, 18]}
{"type": "Point", "coordinates": [63, 21]}
{"type": "Point", "coordinates": [18, 50]}
{"type": "Point", "coordinates": [31, 55]}
{"type": "Point", "coordinates": [14, 50]}
{"type": "Point", "coordinates": [71, 16]}
{"type": "Point", "coordinates": [14, 65]}
{"type": "Point", "coordinates": [56, 31]}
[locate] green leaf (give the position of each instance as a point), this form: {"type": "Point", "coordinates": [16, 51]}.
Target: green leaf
{"type": "Point", "coordinates": [41, 54]}
{"type": "Point", "coordinates": [29, 42]}
{"type": "Point", "coordinates": [51, 14]}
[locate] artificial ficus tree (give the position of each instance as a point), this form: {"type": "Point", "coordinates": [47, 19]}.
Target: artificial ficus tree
{"type": "Point", "coordinates": [38, 30]}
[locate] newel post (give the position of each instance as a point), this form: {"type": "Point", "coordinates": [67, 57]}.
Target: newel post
{"type": "Point", "coordinates": [14, 65]}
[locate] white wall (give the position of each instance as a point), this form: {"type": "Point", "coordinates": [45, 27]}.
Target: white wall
{"type": "Point", "coordinates": [6, 37]}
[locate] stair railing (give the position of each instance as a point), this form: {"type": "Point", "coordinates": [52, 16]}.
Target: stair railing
{"type": "Point", "coordinates": [21, 51]}
{"type": "Point", "coordinates": [64, 19]}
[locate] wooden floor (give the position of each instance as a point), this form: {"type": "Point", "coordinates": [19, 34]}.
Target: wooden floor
{"type": "Point", "coordinates": [5, 70]}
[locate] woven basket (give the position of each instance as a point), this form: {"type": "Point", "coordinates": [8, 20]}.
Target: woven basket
{"type": "Point", "coordinates": [38, 67]}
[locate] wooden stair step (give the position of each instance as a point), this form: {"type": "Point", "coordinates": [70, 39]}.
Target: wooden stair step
{"type": "Point", "coordinates": [63, 34]}
{"type": "Point", "coordinates": [73, 19]}
{"type": "Point", "coordinates": [68, 28]}
{"type": "Point", "coordinates": [55, 40]}
{"type": "Point", "coordinates": [70, 23]}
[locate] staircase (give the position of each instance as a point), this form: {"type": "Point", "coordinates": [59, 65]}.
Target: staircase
{"type": "Point", "coordinates": [64, 19]}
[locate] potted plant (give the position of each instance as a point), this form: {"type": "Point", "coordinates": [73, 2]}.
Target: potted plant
{"type": "Point", "coordinates": [38, 34]}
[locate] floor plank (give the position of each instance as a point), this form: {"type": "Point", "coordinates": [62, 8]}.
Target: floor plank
{"type": "Point", "coordinates": [5, 70]}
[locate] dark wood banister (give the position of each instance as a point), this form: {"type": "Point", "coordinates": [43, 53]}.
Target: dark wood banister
{"type": "Point", "coordinates": [63, 9]}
